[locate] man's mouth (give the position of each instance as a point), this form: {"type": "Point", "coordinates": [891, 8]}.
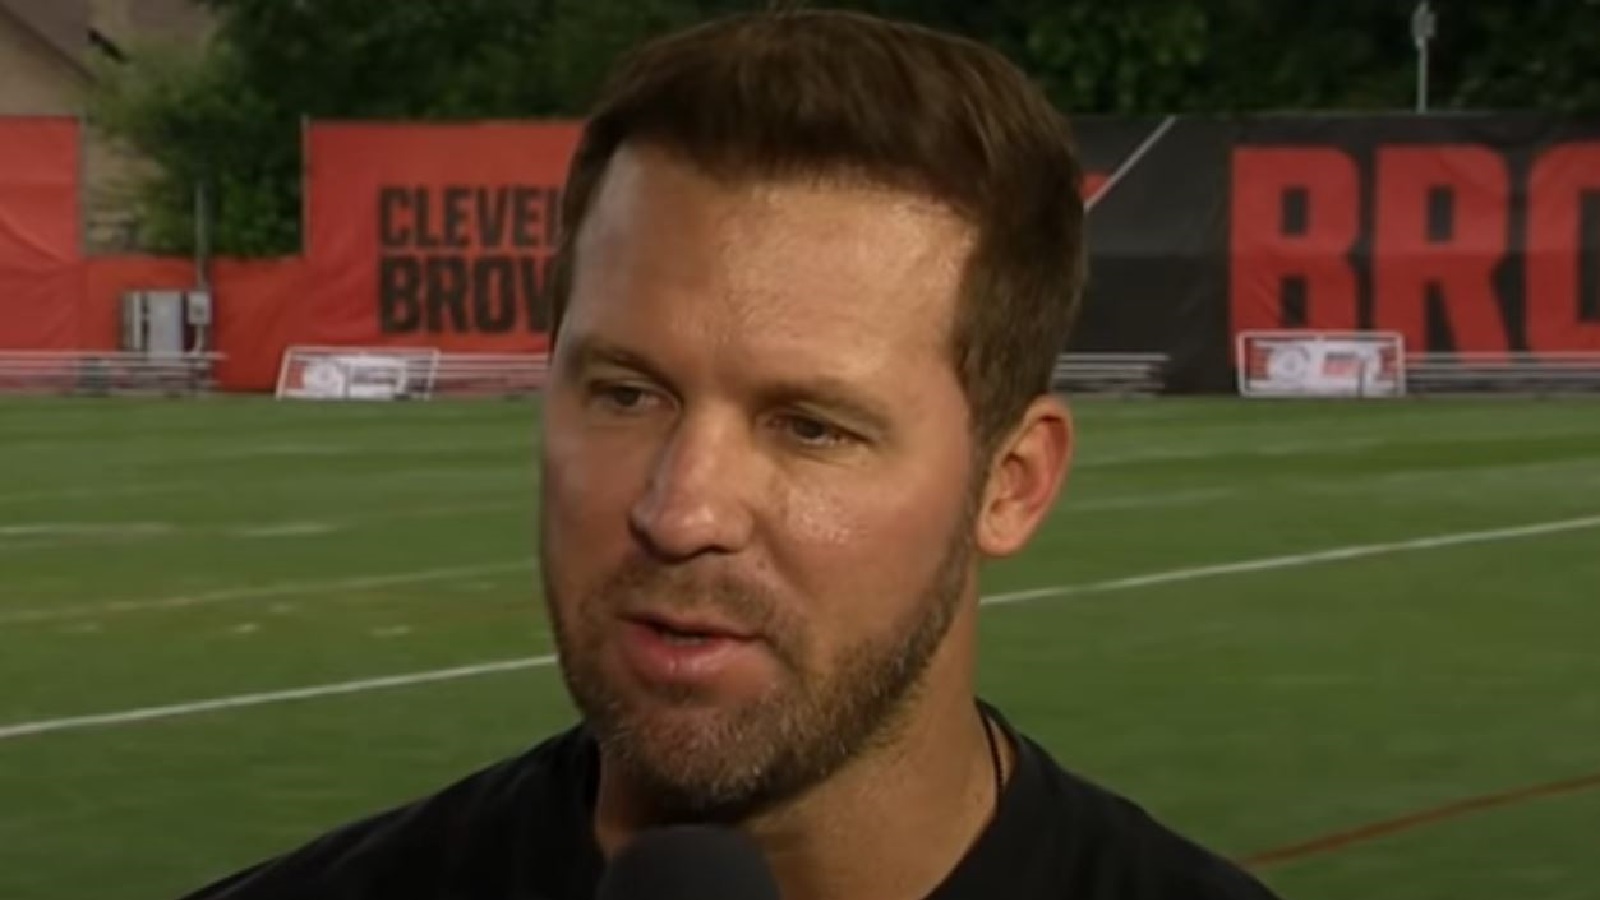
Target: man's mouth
{"type": "Point", "coordinates": [690, 631]}
{"type": "Point", "coordinates": [699, 650]}
{"type": "Point", "coordinates": [684, 639]}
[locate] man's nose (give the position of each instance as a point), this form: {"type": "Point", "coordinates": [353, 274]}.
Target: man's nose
{"type": "Point", "coordinates": [697, 500]}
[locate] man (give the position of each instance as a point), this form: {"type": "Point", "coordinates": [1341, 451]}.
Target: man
{"type": "Point", "coordinates": [816, 271]}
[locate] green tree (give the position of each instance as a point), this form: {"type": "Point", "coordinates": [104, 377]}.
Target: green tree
{"type": "Point", "coordinates": [200, 122]}
{"type": "Point", "coordinates": [1536, 54]}
{"type": "Point", "coordinates": [230, 117]}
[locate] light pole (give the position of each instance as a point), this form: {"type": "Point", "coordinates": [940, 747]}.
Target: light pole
{"type": "Point", "coordinates": [1424, 25]}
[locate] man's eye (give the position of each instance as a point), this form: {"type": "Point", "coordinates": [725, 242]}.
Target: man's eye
{"type": "Point", "coordinates": [620, 397]}
{"type": "Point", "coordinates": [813, 432]}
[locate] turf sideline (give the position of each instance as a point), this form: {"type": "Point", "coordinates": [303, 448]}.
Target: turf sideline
{"type": "Point", "coordinates": [1171, 576]}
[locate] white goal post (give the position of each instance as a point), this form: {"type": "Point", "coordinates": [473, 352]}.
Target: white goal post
{"type": "Point", "coordinates": [357, 373]}
{"type": "Point", "coordinates": [1325, 364]}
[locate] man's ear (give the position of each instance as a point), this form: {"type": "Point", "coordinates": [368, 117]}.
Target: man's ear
{"type": "Point", "coordinates": [1025, 476]}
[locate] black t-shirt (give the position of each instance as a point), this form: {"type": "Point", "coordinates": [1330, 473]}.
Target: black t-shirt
{"type": "Point", "coordinates": [522, 830]}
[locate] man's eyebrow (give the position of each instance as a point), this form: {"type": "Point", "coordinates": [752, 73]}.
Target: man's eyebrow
{"type": "Point", "coordinates": [590, 352]}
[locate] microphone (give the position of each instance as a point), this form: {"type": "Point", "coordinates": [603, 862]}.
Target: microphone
{"type": "Point", "coordinates": [689, 862]}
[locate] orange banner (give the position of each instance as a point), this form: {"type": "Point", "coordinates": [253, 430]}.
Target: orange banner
{"type": "Point", "coordinates": [41, 283]}
{"type": "Point", "coordinates": [440, 235]}
{"type": "Point", "coordinates": [433, 235]}
{"type": "Point", "coordinates": [262, 314]}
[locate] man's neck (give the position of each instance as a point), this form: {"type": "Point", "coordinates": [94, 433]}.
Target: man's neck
{"type": "Point", "coordinates": [894, 823]}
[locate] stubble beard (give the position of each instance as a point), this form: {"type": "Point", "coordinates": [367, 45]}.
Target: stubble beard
{"type": "Point", "coordinates": [728, 765]}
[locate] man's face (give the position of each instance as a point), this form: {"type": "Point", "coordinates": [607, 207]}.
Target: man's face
{"type": "Point", "coordinates": [757, 478]}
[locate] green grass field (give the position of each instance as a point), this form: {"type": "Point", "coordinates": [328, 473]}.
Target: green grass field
{"type": "Point", "coordinates": [1201, 634]}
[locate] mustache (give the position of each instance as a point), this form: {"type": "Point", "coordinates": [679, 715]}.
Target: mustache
{"type": "Point", "coordinates": [641, 586]}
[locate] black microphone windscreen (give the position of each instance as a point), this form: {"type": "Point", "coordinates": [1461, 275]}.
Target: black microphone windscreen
{"type": "Point", "coordinates": [689, 862]}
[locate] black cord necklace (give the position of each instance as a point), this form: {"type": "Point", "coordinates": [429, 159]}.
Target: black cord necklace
{"type": "Point", "coordinates": [995, 762]}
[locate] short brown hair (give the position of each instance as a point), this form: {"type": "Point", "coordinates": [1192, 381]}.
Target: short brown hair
{"type": "Point", "coordinates": [838, 94]}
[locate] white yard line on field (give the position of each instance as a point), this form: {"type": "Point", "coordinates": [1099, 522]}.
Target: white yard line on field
{"type": "Point", "coordinates": [1152, 500]}
{"type": "Point", "coordinates": [82, 529]}
{"type": "Point", "coordinates": [1170, 576]}
{"type": "Point", "coordinates": [102, 492]}
{"type": "Point", "coordinates": [34, 615]}
{"type": "Point", "coordinates": [408, 476]}
{"type": "Point", "coordinates": [1296, 560]}
{"type": "Point", "coordinates": [19, 535]}
{"type": "Point", "coordinates": [131, 716]}
{"type": "Point", "coordinates": [281, 589]}
{"type": "Point", "coordinates": [44, 535]}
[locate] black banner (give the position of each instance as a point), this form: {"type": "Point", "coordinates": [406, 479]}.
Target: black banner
{"type": "Point", "coordinates": [1475, 233]}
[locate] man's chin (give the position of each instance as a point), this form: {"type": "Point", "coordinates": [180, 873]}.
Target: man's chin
{"type": "Point", "coordinates": [675, 726]}
{"type": "Point", "coordinates": [681, 780]}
